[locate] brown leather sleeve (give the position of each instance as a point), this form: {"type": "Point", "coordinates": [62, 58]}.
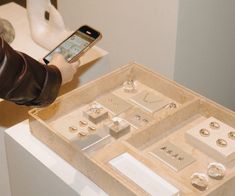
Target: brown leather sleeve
{"type": "Point", "coordinates": [24, 80]}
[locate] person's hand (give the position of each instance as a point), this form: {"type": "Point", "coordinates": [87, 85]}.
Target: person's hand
{"type": "Point", "coordinates": [67, 69]}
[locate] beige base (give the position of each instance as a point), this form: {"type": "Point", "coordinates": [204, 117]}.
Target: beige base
{"type": "Point", "coordinates": [165, 125]}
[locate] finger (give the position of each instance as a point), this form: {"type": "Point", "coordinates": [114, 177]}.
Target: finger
{"type": "Point", "coordinates": [57, 58]}
{"type": "Point", "coordinates": [76, 64]}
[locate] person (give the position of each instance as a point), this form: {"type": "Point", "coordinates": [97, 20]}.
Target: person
{"type": "Point", "coordinates": [26, 81]}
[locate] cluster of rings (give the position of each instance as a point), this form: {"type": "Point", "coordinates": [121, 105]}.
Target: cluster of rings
{"type": "Point", "coordinates": [214, 170]}
{"type": "Point", "coordinates": [219, 142]}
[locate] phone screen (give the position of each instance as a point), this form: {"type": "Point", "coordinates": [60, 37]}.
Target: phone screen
{"type": "Point", "coordinates": [72, 46]}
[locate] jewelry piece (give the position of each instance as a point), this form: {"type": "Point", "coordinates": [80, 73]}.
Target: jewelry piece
{"type": "Point", "coordinates": [214, 125]}
{"type": "Point", "coordinates": [116, 122]}
{"type": "Point", "coordinates": [145, 120]}
{"type": "Point", "coordinates": [82, 123]}
{"type": "Point", "coordinates": [231, 135]}
{"type": "Point", "coordinates": [169, 151]}
{"type": "Point", "coordinates": [171, 105]}
{"type": "Point", "coordinates": [163, 148]}
{"type": "Point", "coordinates": [204, 132]}
{"type": "Point", "coordinates": [73, 129]}
{"type": "Point", "coordinates": [175, 155]}
{"type": "Point", "coordinates": [216, 171]}
{"type": "Point", "coordinates": [129, 86]}
{"type": "Point", "coordinates": [181, 158]}
{"type": "Point", "coordinates": [138, 117]}
{"type": "Point", "coordinates": [91, 128]}
{"type": "Point", "coordinates": [95, 108]}
{"type": "Point", "coordinates": [221, 143]}
{"type": "Point", "coordinates": [82, 132]}
{"type": "Point", "coordinates": [145, 99]}
{"type": "Point", "coordinates": [199, 181]}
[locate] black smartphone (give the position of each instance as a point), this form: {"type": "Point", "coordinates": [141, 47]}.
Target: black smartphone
{"type": "Point", "coordinates": [76, 44]}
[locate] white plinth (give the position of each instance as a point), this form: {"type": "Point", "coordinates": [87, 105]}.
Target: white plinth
{"type": "Point", "coordinates": [11, 113]}
{"type": "Point", "coordinates": [35, 170]}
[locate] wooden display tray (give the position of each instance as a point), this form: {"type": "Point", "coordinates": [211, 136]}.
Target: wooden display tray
{"type": "Point", "coordinates": [50, 125]}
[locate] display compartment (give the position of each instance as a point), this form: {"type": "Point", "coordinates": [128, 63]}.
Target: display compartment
{"type": "Point", "coordinates": [122, 118]}
{"type": "Point", "coordinates": [179, 151]}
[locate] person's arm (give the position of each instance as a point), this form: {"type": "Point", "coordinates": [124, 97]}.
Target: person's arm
{"type": "Point", "coordinates": [25, 81]}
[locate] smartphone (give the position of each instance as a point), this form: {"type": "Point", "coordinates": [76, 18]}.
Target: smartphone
{"type": "Point", "coordinates": [76, 44]}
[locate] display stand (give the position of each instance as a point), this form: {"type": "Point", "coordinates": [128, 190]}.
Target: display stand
{"type": "Point", "coordinates": [134, 132]}
{"type": "Point", "coordinates": [11, 113]}
{"type": "Point", "coordinates": [35, 170]}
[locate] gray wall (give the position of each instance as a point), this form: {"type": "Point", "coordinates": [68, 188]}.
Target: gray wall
{"type": "Point", "coordinates": [144, 31]}
{"type": "Point", "coordinates": [205, 48]}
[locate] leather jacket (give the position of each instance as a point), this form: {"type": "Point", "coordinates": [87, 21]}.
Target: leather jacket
{"type": "Point", "coordinates": [25, 81]}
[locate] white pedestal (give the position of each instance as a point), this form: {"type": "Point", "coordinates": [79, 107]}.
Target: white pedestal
{"type": "Point", "coordinates": [10, 113]}
{"type": "Point", "coordinates": [35, 170]}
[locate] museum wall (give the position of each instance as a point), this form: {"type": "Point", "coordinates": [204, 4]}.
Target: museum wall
{"type": "Point", "coordinates": [143, 31]}
{"type": "Point", "coordinates": [205, 48]}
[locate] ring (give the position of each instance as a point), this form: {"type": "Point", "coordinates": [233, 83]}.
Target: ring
{"type": "Point", "coordinates": [231, 135]}
{"type": "Point", "coordinates": [116, 123]}
{"type": "Point", "coordinates": [214, 125]}
{"type": "Point", "coordinates": [91, 128]}
{"type": "Point", "coordinates": [82, 133]}
{"type": "Point", "coordinates": [200, 181]}
{"type": "Point", "coordinates": [145, 120]}
{"type": "Point", "coordinates": [137, 116]}
{"type": "Point", "coordinates": [72, 128]}
{"type": "Point", "coordinates": [221, 143]}
{"type": "Point", "coordinates": [216, 171]}
{"type": "Point", "coordinates": [82, 123]}
{"type": "Point", "coordinates": [204, 132]}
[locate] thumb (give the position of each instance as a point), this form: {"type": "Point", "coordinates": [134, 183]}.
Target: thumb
{"type": "Point", "coordinates": [76, 64]}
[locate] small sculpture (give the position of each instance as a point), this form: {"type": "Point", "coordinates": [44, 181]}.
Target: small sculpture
{"type": "Point", "coordinates": [7, 31]}
{"type": "Point", "coordinates": [48, 33]}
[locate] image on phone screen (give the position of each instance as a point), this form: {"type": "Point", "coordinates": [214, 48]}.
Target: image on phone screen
{"type": "Point", "coordinates": [71, 46]}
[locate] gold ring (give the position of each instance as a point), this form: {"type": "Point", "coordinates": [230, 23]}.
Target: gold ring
{"type": "Point", "coordinates": [204, 132]}
{"type": "Point", "coordinates": [231, 135]}
{"type": "Point", "coordinates": [138, 117]}
{"type": "Point", "coordinates": [214, 125]}
{"type": "Point", "coordinates": [91, 128]}
{"type": "Point", "coordinates": [82, 123]}
{"type": "Point", "coordinates": [73, 129]}
{"type": "Point", "coordinates": [221, 143]}
{"type": "Point", "coordinates": [82, 133]}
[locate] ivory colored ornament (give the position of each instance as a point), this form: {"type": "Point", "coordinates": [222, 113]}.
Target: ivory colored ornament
{"type": "Point", "coordinates": [200, 181]}
{"type": "Point", "coordinates": [216, 171]}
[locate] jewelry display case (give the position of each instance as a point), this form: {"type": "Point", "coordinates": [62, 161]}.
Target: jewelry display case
{"type": "Point", "coordinates": [134, 132]}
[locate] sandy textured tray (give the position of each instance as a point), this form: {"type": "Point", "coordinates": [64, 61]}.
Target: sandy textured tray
{"type": "Point", "coordinates": [133, 130]}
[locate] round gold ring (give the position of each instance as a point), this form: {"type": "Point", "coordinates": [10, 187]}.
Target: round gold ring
{"type": "Point", "coordinates": [214, 125]}
{"type": "Point", "coordinates": [221, 143]}
{"type": "Point", "coordinates": [231, 135]}
{"type": "Point", "coordinates": [204, 132]}
{"type": "Point", "coordinates": [72, 128]}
